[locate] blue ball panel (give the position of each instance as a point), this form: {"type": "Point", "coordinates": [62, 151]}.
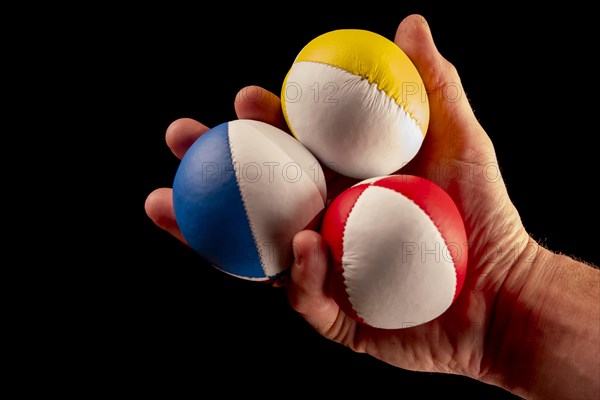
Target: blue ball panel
{"type": "Point", "coordinates": [209, 207]}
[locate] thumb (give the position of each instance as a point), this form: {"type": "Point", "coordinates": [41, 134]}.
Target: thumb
{"type": "Point", "coordinates": [307, 290]}
{"type": "Point", "coordinates": [447, 99]}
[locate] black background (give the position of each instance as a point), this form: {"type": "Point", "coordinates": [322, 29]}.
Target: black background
{"type": "Point", "coordinates": [163, 316]}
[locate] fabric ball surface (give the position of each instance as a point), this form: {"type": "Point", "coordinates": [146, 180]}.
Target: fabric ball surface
{"type": "Point", "coordinates": [399, 249]}
{"type": "Point", "coordinates": [357, 102]}
{"type": "Point", "coordinates": [241, 193]}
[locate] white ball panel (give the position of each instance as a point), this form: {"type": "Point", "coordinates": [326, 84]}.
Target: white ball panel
{"type": "Point", "coordinates": [397, 268]}
{"type": "Point", "coordinates": [273, 168]}
{"type": "Point", "coordinates": [348, 122]}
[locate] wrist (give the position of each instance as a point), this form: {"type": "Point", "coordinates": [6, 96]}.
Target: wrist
{"type": "Point", "coordinates": [544, 330]}
{"type": "Point", "coordinates": [518, 300]}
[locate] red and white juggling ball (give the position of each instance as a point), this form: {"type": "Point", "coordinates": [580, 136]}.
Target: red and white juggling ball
{"type": "Point", "coordinates": [399, 249]}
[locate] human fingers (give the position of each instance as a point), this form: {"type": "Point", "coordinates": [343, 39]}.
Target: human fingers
{"type": "Point", "coordinates": [159, 207]}
{"type": "Point", "coordinates": [450, 108]}
{"type": "Point", "coordinates": [254, 102]}
{"type": "Point", "coordinates": [307, 288]}
{"type": "Point", "coordinates": [182, 133]}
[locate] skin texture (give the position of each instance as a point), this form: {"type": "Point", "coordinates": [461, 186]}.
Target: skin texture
{"type": "Point", "coordinates": [527, 319]}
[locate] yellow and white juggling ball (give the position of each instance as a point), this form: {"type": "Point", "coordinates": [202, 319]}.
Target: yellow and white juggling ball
{"type": "Point", "coordinates": [357, 102]}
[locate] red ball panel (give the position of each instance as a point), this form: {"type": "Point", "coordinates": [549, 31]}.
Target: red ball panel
{"type": "Point", "coordinates": [332, 230]}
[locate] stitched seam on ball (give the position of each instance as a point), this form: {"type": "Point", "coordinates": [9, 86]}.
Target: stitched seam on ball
{"type": "Point", "coordinates": [403, 105]}
{"type": "Point", "coordinates": [343, 241]}
{"type": "Point", "coordinates": [439, 230]}
{"type": "Point", "coordinates": [239, 186]}
{"type": "Point", "coordinates": [265, 278]}
{"type": "Point", "coordinates": [284, 107]}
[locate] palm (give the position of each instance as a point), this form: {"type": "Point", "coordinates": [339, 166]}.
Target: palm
{"type": "Point", "coordinates": [465, 166]}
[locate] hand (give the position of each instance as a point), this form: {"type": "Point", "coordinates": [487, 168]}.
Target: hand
{"type": "Point", "coordinates": [457, 155]}
{"type": "Point", "coordinates": [487, 334]}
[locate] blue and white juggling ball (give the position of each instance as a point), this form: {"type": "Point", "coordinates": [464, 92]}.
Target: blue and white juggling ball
{"type": "Point", "coordinates": [241, 193]}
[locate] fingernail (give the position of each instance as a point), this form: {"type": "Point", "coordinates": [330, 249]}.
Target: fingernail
{"type": "Point", "coordinates": [297, 254]}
